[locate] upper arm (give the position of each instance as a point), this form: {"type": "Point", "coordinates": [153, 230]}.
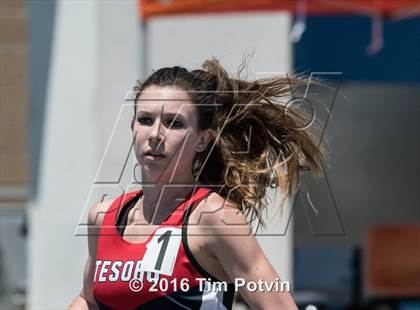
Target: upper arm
{"type": "Point", "coordinates": [95, 218]}
{"type": "Point", "coordinates": [237, 250]}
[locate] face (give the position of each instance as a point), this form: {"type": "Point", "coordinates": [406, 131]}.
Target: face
{"type": "Point", "coordinates": [165, 134]}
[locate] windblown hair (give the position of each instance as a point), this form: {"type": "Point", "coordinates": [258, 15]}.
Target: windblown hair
{"type": "Point", "coordinates": [261, 139]}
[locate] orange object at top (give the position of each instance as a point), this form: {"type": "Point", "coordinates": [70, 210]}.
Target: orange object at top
{"type": "Point", "coordinates": [397, 8]}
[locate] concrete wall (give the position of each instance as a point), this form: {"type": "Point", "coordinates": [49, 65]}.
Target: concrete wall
{"type": "Point", "coordinates": [93, 61]}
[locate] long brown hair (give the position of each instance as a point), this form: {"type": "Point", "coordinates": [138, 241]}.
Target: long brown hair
{"type": "Point", "coordinates": [262, 140]}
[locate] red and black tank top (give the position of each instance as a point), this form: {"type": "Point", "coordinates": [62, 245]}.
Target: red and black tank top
{"type": "Point", "coordinates": [159, 273]}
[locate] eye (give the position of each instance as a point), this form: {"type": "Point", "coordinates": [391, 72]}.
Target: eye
{"type": "Point", "coordinates": [144, 120]}
{"type": "Point", "coordinates": [173, 123]}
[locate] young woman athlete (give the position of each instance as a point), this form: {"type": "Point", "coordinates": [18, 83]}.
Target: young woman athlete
{"type": "Point", "coordinates": [209, 145]}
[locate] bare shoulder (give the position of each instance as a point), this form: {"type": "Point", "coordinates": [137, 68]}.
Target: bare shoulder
{"type": "Point", "coordinates": [95, 217]}
{"type": "Point", "coordinates": [235, 249]}
{"type": "Point", "coordinates": [97, 212]}
{"type": "Point", "coordinates": [221, 216]}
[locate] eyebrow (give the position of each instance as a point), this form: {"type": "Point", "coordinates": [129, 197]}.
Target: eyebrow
{"type": "Point", "coordinates": [174, 115]}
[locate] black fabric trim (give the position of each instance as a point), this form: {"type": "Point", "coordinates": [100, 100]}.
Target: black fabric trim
{"type": "Point", "coordinates": [102, 306]}
{"type": "Point", "coordinates": [122, 219]}
{"type": "Point", "coordinates": [188, 252]}
{"type": "Point", "coordinates": [179, 300]}
{"type": "Point", "coordinates": [229, 295]}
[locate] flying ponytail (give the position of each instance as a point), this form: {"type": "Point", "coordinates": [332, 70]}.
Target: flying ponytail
{"type": "Point", "coordinates": [260, 140]}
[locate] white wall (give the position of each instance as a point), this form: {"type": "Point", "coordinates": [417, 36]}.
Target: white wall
{"type": "Point", "coordinates": [93, 62]}
{"type": "Point", "coordinates": [188, 40]}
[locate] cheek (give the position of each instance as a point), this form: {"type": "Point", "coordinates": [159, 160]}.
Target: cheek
{"type": "Point", "coordinates": [190, 143]}
{"type": "Point", "coordinates": [181, 143]}
{"type": "Point", "coordinates": [191, 137]}
{"type": "Point", "coordinates": [138, 135]}
{"type": "Point", "coordinates": [136, 132]}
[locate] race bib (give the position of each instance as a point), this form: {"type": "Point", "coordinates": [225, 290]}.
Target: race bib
{"type": "Point", "coordinates": [162, 251]}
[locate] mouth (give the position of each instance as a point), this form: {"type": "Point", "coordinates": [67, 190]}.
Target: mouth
{"type": "Point", "coordinates": [154, 155]}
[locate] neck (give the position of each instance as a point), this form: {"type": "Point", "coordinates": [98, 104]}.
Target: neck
{"type": "Point", "coordinates": [159, 200]}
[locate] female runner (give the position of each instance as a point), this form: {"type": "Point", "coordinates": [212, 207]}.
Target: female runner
{"type": "Point", "coordinates": [209, 145]}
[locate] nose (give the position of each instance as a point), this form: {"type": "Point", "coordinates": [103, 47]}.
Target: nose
{"type": "Point", "coordinates": [156, 136]}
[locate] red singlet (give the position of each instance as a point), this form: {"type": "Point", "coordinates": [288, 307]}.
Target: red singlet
{"type": "Point", "coordinates": [160, 273]}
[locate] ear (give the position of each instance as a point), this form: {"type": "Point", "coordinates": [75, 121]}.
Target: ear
{"type": "Point", "coordinates": [204, 138]}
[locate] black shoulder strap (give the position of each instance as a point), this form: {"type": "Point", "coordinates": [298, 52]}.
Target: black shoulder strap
{"type": "Point", "coordinates": [123, 216]}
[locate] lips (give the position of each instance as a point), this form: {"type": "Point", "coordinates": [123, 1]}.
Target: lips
{"type": "Point", "coordinates": [155, 155]}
